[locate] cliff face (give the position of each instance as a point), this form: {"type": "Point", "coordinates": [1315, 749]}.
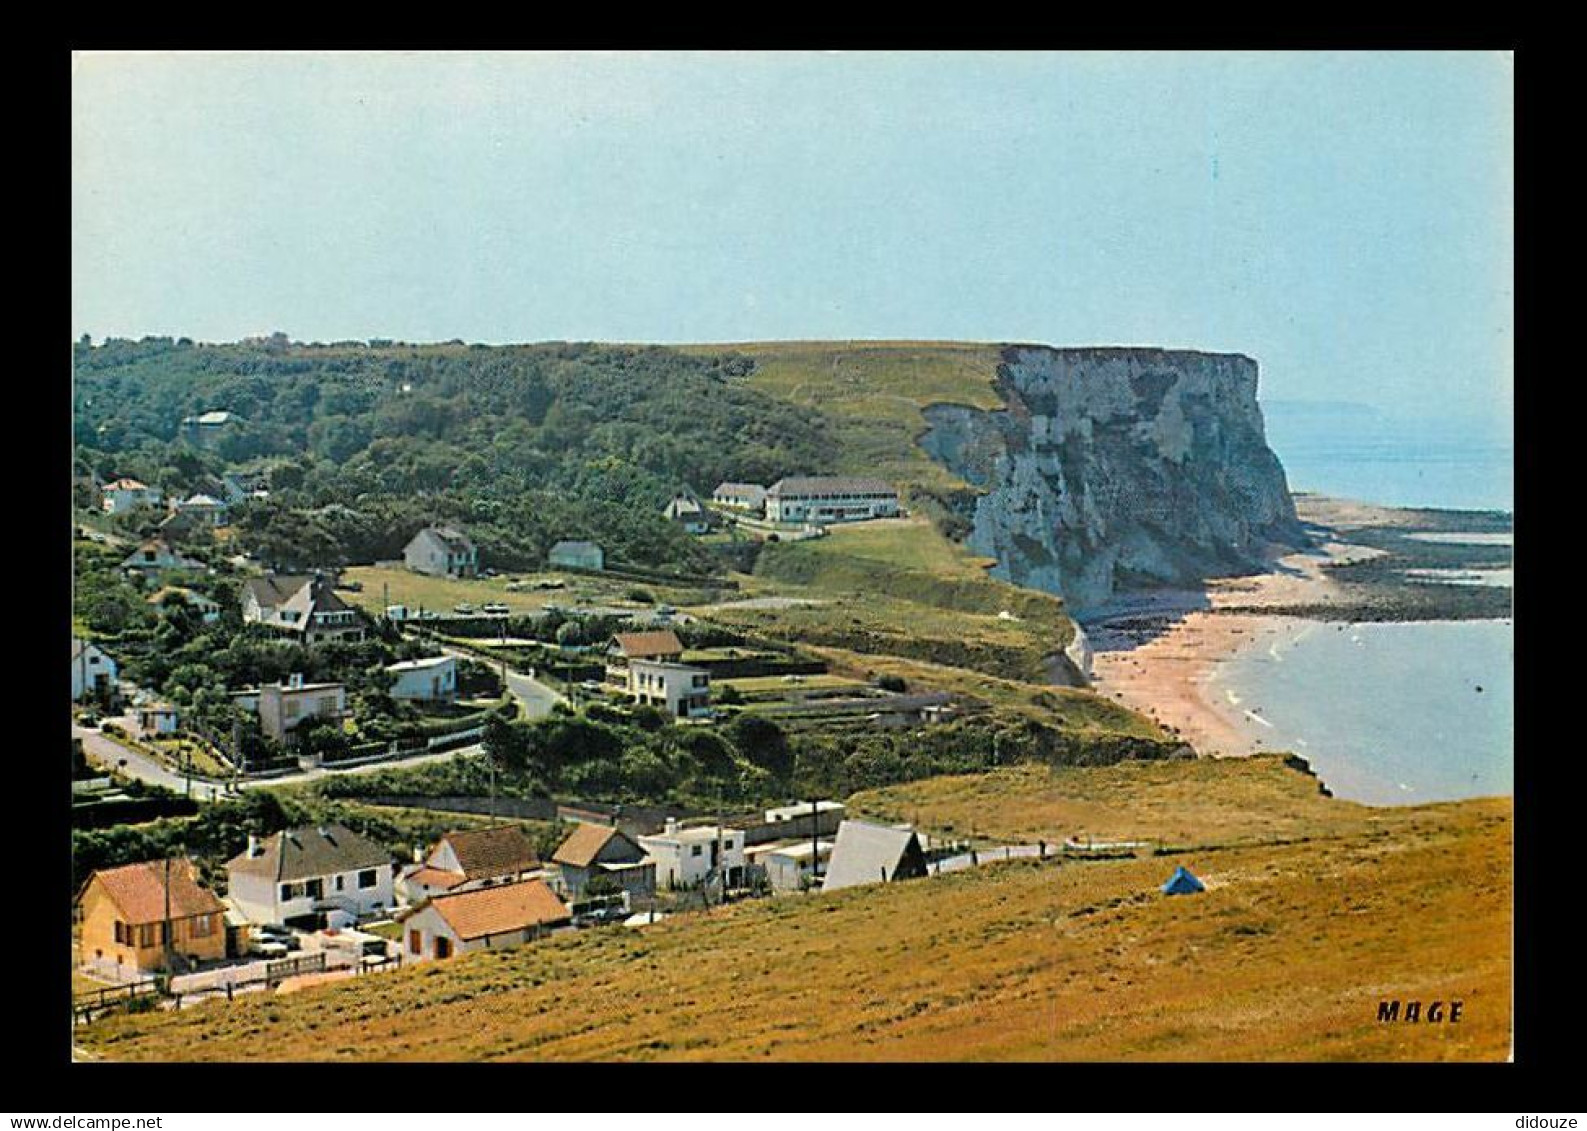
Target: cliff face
{"type": "Point", "coordinates": [1117, 469]}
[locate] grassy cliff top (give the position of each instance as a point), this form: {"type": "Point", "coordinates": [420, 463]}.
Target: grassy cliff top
{"type": "Point", "coordinates": [1012, 961]}
{"type": "Point", "coordinates": [873, 393]}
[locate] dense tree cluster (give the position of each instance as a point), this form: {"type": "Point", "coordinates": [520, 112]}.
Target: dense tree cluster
{"type": "Point", "coordinates": [521, 445]}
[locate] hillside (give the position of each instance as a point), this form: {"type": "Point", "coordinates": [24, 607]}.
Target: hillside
{"type": "Point", "coordinates": [1285, 956]}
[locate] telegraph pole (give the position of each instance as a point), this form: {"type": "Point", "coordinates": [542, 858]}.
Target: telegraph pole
{"type": "Point", "coordinates": [166, 926]}
{"type": "Point", "coordinates": [815, 841]}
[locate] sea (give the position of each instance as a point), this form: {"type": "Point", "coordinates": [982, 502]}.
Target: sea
{"type": "Point", "coordinates": [1354, 451]}
{"type": "Point", "coordinates": [1389, 713]}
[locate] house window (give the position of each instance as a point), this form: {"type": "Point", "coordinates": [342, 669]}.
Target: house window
{"type": "Point", "coordinates": [315, 889]}
{"type": "Point", "coordinates": [695, 851]}
{"type": "Point", "coordinates": [123, 932]}
{"type": "Point", "coordinates": [146, 934]}
{"type": "Point", "coordinates": [339, 880]}
{"type": "Point", "coordinates": [415, 943]}
{"type": "Point", "coordinates": [728, 843]}
{"type": "Point", "coordinates": [203, 926]}
{"type": "Point", "coordinates": [366, 878]}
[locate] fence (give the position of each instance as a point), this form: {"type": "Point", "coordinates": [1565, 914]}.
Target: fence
{"type": "Point", "coordinates": [87, 1003]}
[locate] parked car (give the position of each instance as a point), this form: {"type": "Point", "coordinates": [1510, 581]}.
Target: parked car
{"type": "Point", "coordinates": [283, 935]}
{"type": "Point", "coordinates": [495, 609]}
{"type": "Point", "coordinates": [266, 947]}
{"type": "Point", "coordinates": [463, 607]}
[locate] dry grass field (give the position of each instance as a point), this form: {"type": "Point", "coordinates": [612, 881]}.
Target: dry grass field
{"type": "Point", "coordinates": [1284, 957]}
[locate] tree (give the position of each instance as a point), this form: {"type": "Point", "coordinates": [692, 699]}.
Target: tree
{"type": "Point", "coordinates": [762, 743]}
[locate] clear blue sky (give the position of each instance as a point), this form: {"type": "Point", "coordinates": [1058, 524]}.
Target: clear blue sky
{"type": "Point", "coordinates": [1344, 219]}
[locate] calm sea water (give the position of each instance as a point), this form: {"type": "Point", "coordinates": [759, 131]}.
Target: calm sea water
{"type": "Point", "coordinates": [1354, 452]}
{"type": "Point", "coordinates": [1385, 713]}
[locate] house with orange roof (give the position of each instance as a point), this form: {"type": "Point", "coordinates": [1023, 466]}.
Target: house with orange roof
{"type": "Point", "coordinates": [127, 494]}
{"type": "Point", "coordinates": [489, 918]}
{"type": "Point", "coordinates": [469, 859]}
{"type": "Point", "coordinates": [592, 851]}
{"type": "Point", "coordinates": [126, 916]}
{"type": "Point", "coordinates": [647, 666]}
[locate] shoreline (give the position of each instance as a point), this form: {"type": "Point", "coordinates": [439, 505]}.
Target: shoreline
{"type": "Point", "coordinates": [1164, 654]}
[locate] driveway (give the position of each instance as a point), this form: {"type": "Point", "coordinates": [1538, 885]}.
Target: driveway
{"type": "Point", "coordinates": [104, 753]}
{"type": "Point", "coordinates": [536, 697]}
{"type": "Point", "coordinates": [108, 755]}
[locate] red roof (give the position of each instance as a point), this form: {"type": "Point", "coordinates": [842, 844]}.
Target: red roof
{"type": "Point", "coordinates": [434, 877]}
{"type": "Point", "coordinates": [505, 907]}
{"type": "Point", "coordinates": [138, 891]}
{"type": "Point", "coordinates": [637, 645]}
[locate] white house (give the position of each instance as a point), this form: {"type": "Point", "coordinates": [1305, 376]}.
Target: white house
{"type": "Point", "coordinates": [685, 857]}
{"type": "Point", "coordinates": [685, 510]}
{"type": "Point", "coordinates": [866, 853]}
{"type": "Point", "coordinates": [304, 606]}
{"type": "Point", "coordinates": [205, 507]}
{"type": "Point", "coordinates": [603, 851]}
{"type": "Point", "coordinates": [577, 555]}
{"type": "Point", "coordinates": [127, 495]}
{"type": "Point", "coordinates": [207, 608]}
{"type": "Point", "coordinates": [830, 498]}
{"type": "Point", "coordinates": [791, 866]}
{"type": "Point", "coordinates": [661, 645]}
{"type": "Point", "coordinates": [284, 707]}
{"type": "Point", "coordinates": [827, 813]}
{"type": "Point", "coordinates": [491, 918]}
{"type": "Point", "coordinates": [441, 551]}
{"type": "Point", "coordinates": [157, 719]}
{"type": "Point", "coordinates": [432, 679]}
{"type": "Point", "coordinates": [207, 428]}
{"type": "Point", "coordinates": [683, 692]}
{"type": "Point", "coordinates": [309, 872]}
{"type": "Point", "coordinates": [156, 555]}
{"type": "Point", "coordinates": [93, 671]}
{"type": "Point", "coordinates": [469, 859]}
{"type": "Point", "coordinates": [740, 496]}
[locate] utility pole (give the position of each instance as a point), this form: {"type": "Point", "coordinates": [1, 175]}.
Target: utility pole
{"type": "Point", "coordinates": [490, 762]}
{"type": "Point", "coordinates": [166, 926]}
{"type": "Point", "coordinates": [721, 863]}
{"type": "Point", "coordinates": [815, 841]}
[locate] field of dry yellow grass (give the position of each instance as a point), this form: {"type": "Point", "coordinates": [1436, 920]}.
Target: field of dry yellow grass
{"type": "Point", "coordinates": [1306, 923]}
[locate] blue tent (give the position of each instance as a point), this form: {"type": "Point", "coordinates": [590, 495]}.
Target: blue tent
{"type": "Point", "coordinates": [1183, 882]}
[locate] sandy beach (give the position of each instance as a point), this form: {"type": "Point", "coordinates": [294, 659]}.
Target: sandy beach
{"type": "Point", "coordinates": [1160, 653]}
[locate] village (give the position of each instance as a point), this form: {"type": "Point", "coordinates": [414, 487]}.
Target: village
{"type": "Point", "coordinates": [322, 901]}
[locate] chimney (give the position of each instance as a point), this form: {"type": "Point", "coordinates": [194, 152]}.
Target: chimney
{"type": "Point", "coordinates": [254, 847]}
{"type": "Point", "coordinates": [295, 680]}
{"type": "Point", "coordinates": [418, 854]}
{"type": "Point", "coordinates": [672, 825]}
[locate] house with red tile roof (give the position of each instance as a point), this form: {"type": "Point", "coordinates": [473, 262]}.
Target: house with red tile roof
{"type": "Point", "coordinates": [489, 918]}
{"type": "Point", "coordinates": [662, 646]}
{"type": "Point", "coordinates": [592, 851]}
{"type": "Point", "coordinates": [126, 916]}
{"type": "Point", "coordinates": [469, 859]}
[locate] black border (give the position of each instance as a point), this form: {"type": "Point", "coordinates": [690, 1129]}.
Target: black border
{"type": "Point", "coordinates": [1547, 1023]}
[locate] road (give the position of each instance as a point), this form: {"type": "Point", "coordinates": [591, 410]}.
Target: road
{"type": "Point", "coordinates": [104, 753]}
{"type": "Point", "coordinates": [536, 697]}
